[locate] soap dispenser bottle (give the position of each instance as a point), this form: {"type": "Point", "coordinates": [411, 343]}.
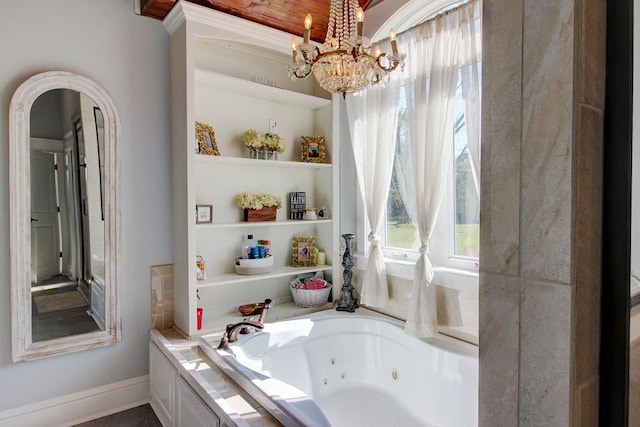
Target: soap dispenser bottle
{"type": "Point", "coordinates": [245, 249]}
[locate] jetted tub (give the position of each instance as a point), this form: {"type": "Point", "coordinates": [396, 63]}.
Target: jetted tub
{"type": "Point", "coordinates": [342, 369]}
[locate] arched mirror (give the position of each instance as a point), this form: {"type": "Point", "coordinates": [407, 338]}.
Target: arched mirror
{"type": "Point", "coordinates": [64, 216]}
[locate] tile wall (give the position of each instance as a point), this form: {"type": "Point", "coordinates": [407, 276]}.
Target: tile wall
{"type": "Point", "coordinates": [543, 94]}
{"type": "Point", "coordinates": [161, 296]}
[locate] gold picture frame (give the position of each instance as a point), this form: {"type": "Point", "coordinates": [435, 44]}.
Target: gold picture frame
{"type": "Point", "coordinates": [206, 139]}
{"type": "Point", "coordinates": [304, 252]}
{"type": "Point", "coordinates": [313, 149]}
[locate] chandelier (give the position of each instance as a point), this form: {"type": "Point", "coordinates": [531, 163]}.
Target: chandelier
{"type": "Point", "coordinates": [346, 62]}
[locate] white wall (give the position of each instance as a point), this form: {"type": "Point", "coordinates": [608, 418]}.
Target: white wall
{"type": "Point", "coordinates": [128, 55]}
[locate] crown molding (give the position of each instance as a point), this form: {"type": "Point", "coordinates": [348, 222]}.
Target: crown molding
{"type": "Point", "coordinates": [229, 27]}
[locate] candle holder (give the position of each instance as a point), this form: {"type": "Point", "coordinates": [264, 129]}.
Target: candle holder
{"type": "Point", "coordinates": [347, 302]}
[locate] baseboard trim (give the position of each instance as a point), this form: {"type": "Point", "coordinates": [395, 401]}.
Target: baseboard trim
{"type": "Point", "coordinates": [80, 407]}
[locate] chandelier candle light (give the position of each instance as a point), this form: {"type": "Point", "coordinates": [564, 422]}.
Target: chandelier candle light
{"type": "Point", "coordinates": [346, 62]}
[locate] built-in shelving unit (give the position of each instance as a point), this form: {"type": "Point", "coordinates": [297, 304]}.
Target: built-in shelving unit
{"type": "Point", "coordinates": [216, 60]}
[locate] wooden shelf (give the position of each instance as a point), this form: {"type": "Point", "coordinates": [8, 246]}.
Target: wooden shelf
{"type": "Point", "coordinates": [229, 278]}
{"type": "Point", "coordinates": [257, 90]}
{"type": "Point", "coordinates": [245, 224]}
{"type": "Point", "coordinates": [243, 161]}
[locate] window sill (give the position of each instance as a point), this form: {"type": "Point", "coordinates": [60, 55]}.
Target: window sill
{"type": "Point", "coordinates": [452, 278]}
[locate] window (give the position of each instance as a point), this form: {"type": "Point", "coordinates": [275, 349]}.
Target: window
{"type": "Point", "coordinates": [401, 231]}
{"type": "Point", "coordinates": [458, 225]}
{"type": "Point", "coordinates": [446, 47]}
{"type": "Point", "coordinates": [465, 193]}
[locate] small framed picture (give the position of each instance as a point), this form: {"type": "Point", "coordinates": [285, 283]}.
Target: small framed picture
{"type": "Point", "coordinates": [304, 252]}
{"type": "Point", "coordinates": [204, 214]}
{"type": "Point", "coordinates": [206, 139]}
{"type": "Point", "coordinates": [313, 149]}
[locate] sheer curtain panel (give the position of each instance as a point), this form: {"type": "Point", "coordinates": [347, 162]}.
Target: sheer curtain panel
{"type": "Point", "coordinates": [434, 51]}
{"type": "Point", "coordinates": [373, 121]}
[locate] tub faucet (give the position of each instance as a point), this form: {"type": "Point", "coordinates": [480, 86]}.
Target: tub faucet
{"type": "Point", "coordinates": [232, 330]}
{"type": "Point", "coordinates": [231, 333]}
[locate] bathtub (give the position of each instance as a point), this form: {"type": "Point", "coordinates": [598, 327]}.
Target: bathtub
{"type": "Point", "coordinates": [342, 369]}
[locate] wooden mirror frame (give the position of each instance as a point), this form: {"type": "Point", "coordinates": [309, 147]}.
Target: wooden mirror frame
{"type": "Point", "coordinates": [23, 348]}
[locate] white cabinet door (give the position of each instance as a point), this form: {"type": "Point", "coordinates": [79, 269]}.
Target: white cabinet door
{"type": "Point", "coordinates": [190, 410]}
{"type": "Point", "coordinates": [162, 383]}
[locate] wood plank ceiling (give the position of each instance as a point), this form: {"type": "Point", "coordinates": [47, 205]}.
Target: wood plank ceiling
{"type": "Point", "coordinates": [285, 15]}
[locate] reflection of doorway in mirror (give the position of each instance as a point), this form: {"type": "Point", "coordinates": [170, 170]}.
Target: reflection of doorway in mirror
{"type": "Point", "coordinates": [93, 136]}
{"type": "Point", "coordinates": [84, 229]}
{"type": "Point", "coordinates": [45, 231]}
{"type": "Point", "coordinates": [65, 183]}
{"type": "Point", "coordinates": [99, 122]}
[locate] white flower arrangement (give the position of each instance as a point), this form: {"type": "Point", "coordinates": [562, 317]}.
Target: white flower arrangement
{"type": "Point", "coordinates": [253, 139]}
{"type": "Point", "coordinates": [269, 142]}
{"type": "Point", "coordinates": [258, 201]}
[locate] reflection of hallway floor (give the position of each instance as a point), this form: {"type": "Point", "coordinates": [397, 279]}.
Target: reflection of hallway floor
{"type": "Point", "coordinates": [61, 323]}
{"type": "Point", "coordinates": [57, 281]}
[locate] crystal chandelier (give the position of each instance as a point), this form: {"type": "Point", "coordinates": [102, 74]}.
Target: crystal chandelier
{"type": "Point", "coordinates": [346, 62]}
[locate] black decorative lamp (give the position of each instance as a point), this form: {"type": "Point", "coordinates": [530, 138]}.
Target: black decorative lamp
{"type": "Point", "coordinates": [347, 302]}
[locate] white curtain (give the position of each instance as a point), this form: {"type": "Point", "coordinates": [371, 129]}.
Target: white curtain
{"type": "Point", "coordinates": [433, 60]}
{"type": "Point", "coordinates": [373, 119]}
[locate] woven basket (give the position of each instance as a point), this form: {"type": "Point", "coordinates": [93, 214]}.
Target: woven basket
{"type": "Point", "coordinates": [310, 297]}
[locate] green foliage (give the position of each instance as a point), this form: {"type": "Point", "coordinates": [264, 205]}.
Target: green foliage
{"type": "Point", "coordinates": [402, 235]}
{"type": "Point", "coordinates": [406, 236]}
{"type": "Point", "coordinates": [468, 240]}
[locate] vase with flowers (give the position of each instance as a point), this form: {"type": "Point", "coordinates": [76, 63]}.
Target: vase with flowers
{"type": "Point", "coordinates": [259, 207]}
{"type": "Point", "coordinates": [263, 146]}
